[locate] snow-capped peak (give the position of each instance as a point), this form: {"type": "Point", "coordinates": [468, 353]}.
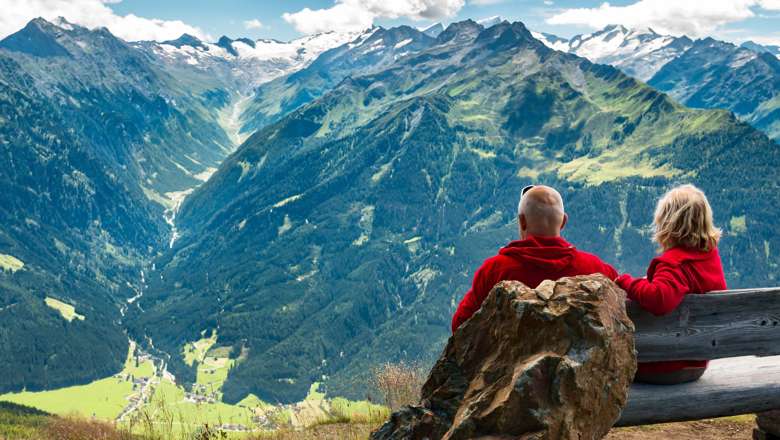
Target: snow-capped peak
{"type": "Point", "coordinates": [261, 60]}
{"type": "Point", "coordinates": [490, 21]}
{"type": "Point", "coordinates": [433, 30]}
{"type": "Point", "coordinates": [640, 52]}
{"type": "Point", "coordinates": [552, 41]}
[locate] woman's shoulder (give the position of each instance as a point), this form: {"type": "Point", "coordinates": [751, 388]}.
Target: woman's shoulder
{"type": "Point", "coordinates": [679, 255]}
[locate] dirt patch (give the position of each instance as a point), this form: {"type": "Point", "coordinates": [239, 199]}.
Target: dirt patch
{"type": "Point", "coordinates": [732, 428]}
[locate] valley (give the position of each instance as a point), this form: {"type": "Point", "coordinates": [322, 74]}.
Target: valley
{"type": "Point", "coordinates": [237, 233]}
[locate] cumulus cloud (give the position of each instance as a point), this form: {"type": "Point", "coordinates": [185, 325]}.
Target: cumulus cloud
{"type": "Point", "coordinates": [92, 14]}
{"type": "Point", "coordinates": [253, 24]}
{"type": "Point", "coordinates": [694, 18]}
{"type": "Point", "coordinates": [349, 15]}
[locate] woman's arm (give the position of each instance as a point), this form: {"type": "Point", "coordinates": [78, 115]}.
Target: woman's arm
{"type": "Point", "coordinates": [661, 295]}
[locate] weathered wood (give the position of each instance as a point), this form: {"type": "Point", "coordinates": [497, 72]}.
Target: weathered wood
{"type": "Point", "coordinates": [730, 387]}
{"type": "Point", "coordinates": [712, 326]}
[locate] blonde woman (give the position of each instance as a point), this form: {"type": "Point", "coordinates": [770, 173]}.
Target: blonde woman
{"type": "Point", "coordinates": [689, 263]}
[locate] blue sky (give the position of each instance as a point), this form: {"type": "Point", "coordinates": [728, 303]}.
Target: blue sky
{"type": "Point", "coordinates": [226, 17]}
{"type": "Point", "coordinates": [732, 20]}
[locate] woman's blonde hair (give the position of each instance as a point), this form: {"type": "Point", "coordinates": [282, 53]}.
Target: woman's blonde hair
{"type": "Point", "coordinates": [683, 217]}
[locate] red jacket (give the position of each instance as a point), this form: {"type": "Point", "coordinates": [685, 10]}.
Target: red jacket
{"type": "Point", "coordinates": [529, 261]}
{"type": "Point", "coordinates": [671, 276]}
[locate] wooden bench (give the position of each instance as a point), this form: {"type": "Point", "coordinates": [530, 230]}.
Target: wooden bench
{"type": "Point", "coordinates": [739, 329]}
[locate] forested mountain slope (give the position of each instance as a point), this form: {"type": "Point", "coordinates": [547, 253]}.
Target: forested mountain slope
{"type": "Point", "coordinates": [704, 73]}
{"type": "Point", "coordinates": [715, 74]}
{"type": "Point", "coordinates": [92, 138]}
{"type": "Point", "coordinates": [344, 234]}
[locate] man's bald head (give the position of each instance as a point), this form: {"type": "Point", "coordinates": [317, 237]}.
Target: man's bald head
{"type": "Point", "coordinates": [540, 212]}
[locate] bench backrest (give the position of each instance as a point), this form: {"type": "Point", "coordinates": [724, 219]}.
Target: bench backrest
{"type": "Point", "coordinates": [712, 326]}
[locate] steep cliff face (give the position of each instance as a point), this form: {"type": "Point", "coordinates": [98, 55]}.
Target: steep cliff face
{"type": "Point", "coordinates": [344, 234]}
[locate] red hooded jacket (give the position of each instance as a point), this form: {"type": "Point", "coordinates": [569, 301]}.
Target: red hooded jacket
{"type": "Point", "coordinates": [672, 275]}
{"type": "Point", "coordinates": [529, 261]}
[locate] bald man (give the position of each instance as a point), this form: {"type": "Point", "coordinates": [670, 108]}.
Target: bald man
{"type": "Point", "coordinates": [540, 254]}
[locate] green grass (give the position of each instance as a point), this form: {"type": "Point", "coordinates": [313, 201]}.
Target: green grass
{"type": "Point", "coordinates": [192, 414]}
{"type": "Point", "coordinates": [212, 373]}
{"type": "Point", "coordinates": [314, 392]}
{"type": "Point", "coordinates": [219, 352]}
{"type": "Point", "coordinates": [103, 399]}
{"type": "Point", "coordinates": [10, 263]}
{"type": "Point", "coordinates": [196, 351]}
{"type": "Point", "coordinates": [596, 170]}
{"type": "Point", "coordinates": [359, 411]}
{"type": "Point", "coordinates": [213, 363]}
{"type": "Point", "coordinates": [20, 422]}
{"type": "Point", "coordinates": [252, 401]}
{"type": "Point", "coordinates": [66, 310]}
{"type": "Point", "coordinates": [144, 369]}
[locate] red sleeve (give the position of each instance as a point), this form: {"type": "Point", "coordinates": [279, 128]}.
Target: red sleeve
{"type": "Point", "coordinates": [661, 295]}
{"type": "Point", "coordinates": [480, 288]}
{"type": "Point", "coordinates": [609, 272]}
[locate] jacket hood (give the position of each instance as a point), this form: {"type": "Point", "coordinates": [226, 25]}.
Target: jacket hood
{"type": "Point", "coordinates": [547, 253]}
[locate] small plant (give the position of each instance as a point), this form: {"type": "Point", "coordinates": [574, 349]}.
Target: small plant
{"type": "Point", "coordinates": [207, 432]}
{"type": "Point", "coordinates": [75, 428]}
{"type": "Point", "coordinates": [399, 384]}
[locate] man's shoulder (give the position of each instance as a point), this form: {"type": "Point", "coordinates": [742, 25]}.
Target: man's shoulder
{"type": "Point", "coordinates": [592, 259]}
{"type": "Point", "coordinates": [588, 255]}
{"type": "Point", "coordinates": [497, 262]}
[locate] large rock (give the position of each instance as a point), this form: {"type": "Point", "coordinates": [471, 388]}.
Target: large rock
{"type": "Point", "coordinates": [553, 362]}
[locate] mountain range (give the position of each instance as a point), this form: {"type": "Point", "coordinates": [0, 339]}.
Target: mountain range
{"type": "Point", "coordinates": [342, 188]}
{"type": "Point", "coordinates": [342, 234]}
{"type": "Point", "coordinates": [704, 73]}
{"type": "Point", "coordinates": [244, 63]}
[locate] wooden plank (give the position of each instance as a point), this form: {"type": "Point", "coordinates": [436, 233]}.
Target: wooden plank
{"type": "Point", "coordinates": [712, 326]}
{"type": "Point", "coordinates": [730, 387]}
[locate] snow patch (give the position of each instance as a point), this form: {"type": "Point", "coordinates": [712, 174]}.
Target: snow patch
{"type": "Point", "coordinates": [403, 43]}
{"type": "Point", "coordinates": [288, 200]}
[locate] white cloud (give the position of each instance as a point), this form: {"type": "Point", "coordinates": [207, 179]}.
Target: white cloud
{"type": "Point", "coordinates": [768, 40]}
{"type": "Point", "coordinates": [92, 14]}
{"type": "Point", "coordinates": [253, 24]}
{"type": "Point", "coordinates": [694, 18]}
{"type": "Point", "coordinates": [350, 15]}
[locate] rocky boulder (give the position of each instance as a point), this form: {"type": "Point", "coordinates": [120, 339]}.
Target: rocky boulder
{"type": "Point", "coordinates": [554, 362]}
